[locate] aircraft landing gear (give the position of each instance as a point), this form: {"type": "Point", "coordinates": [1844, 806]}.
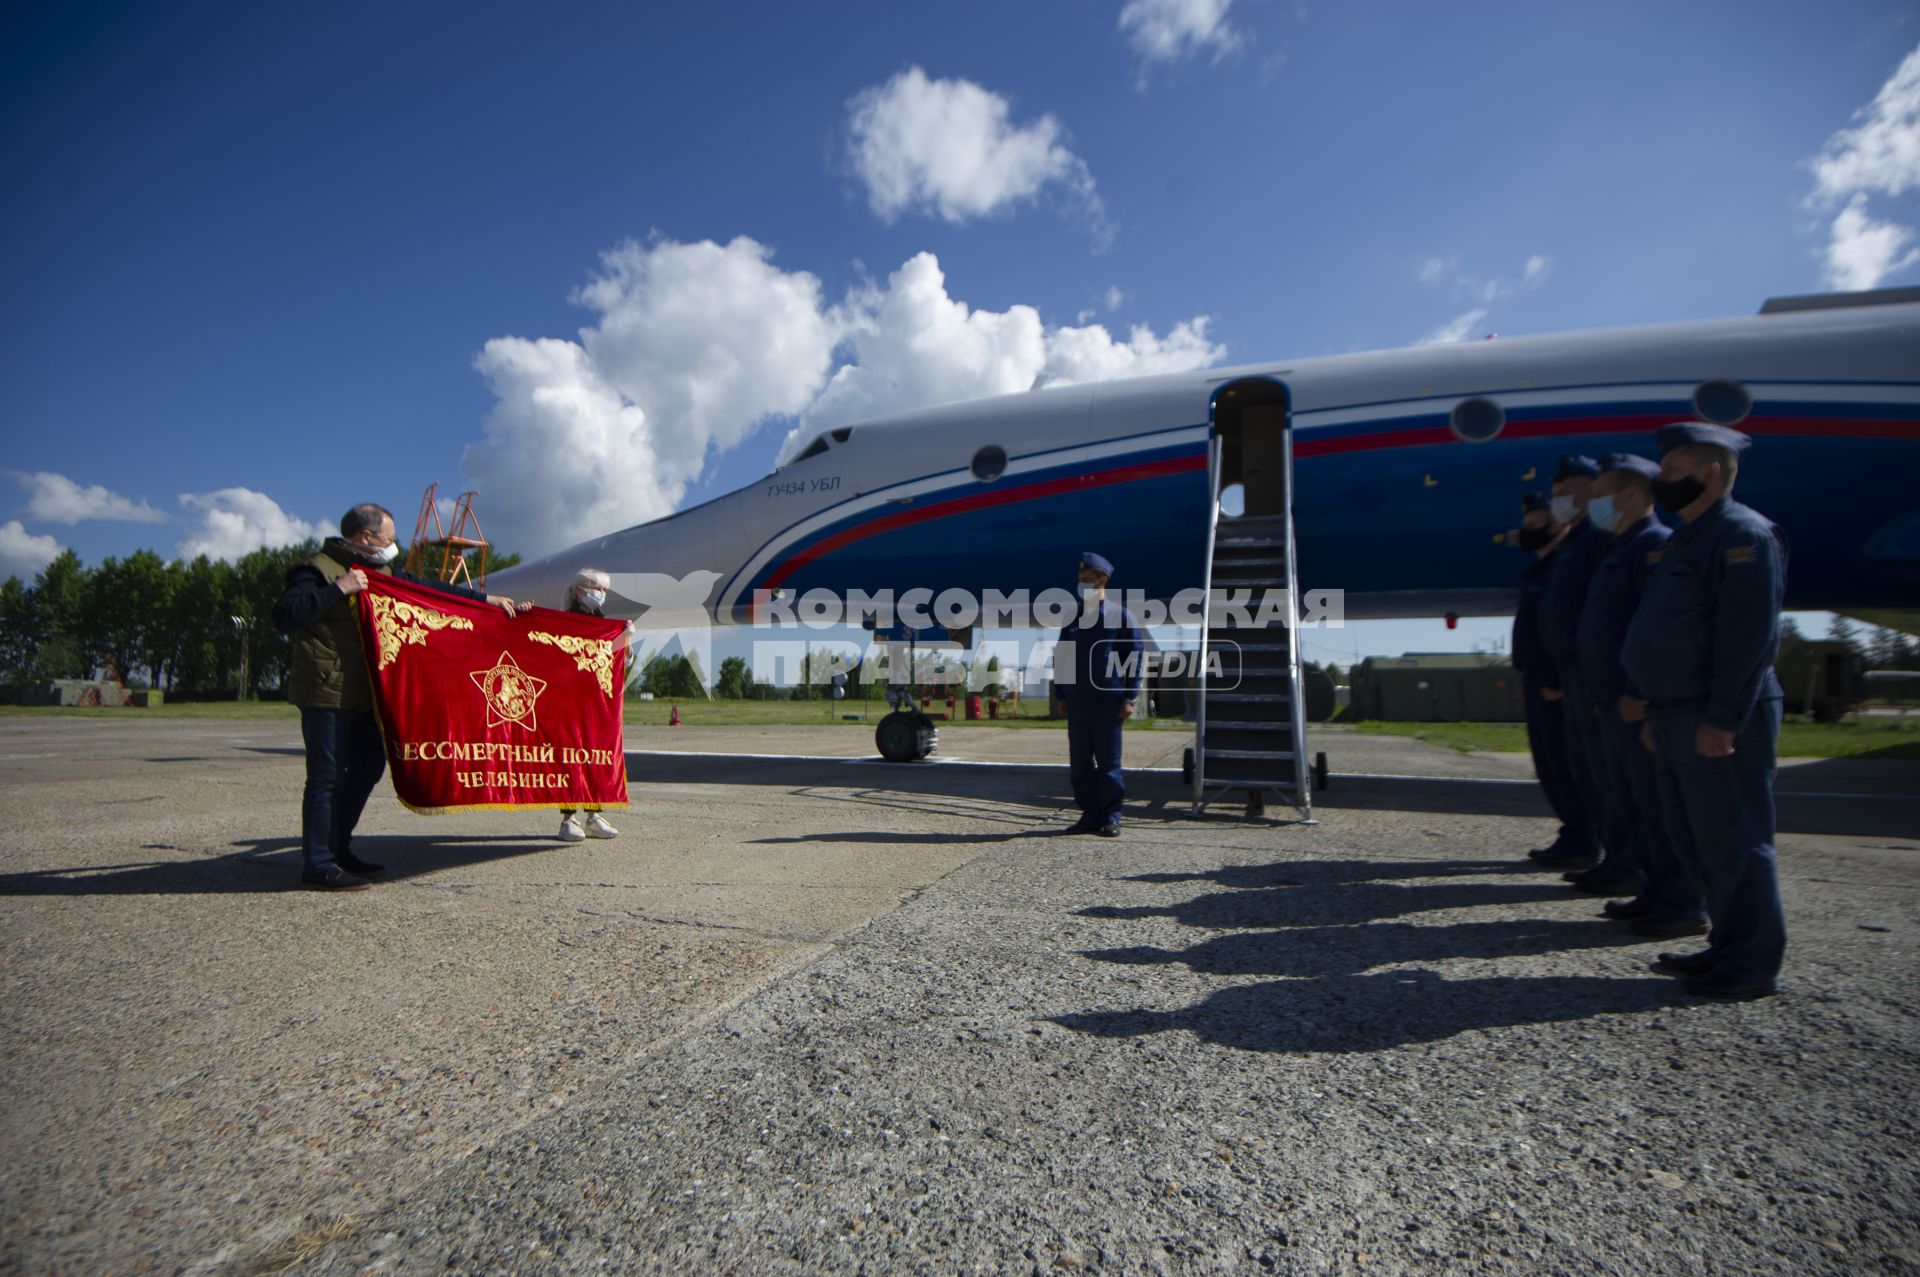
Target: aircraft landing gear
{"type": "Point", "coordinates": [906, 737]}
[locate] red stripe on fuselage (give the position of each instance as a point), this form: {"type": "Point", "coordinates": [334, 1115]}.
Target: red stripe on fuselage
{"type": "Point", "coordinates": [981, 501]}
{"type": "Point", "coordinates": [1305, 445]}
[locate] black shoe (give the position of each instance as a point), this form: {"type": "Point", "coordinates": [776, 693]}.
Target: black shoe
{"type": "Point", "coordinates": [1108, 831]}
{"type": "Point", "coordinates": [1669, 928]}
{"type": "Point", "coordinates": [1685, 964]}
{"type": "Point", "coordinates": [353, 864]}
{"type": "Point", "coordinates": [1626, 910]}
{"type": "Point", "coordinates": [1084, 825]}
{"type": "Point", "coordinates": [1708, 986]}
{"type": "Point", "coordinates": [334, 879]}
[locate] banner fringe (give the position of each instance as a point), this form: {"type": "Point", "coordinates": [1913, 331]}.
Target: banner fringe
{"type": "Point", "coordinates": [454, 811]}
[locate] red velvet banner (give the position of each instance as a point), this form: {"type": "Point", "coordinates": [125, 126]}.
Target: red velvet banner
{"type": "Point", "coordinates": [481, 710]}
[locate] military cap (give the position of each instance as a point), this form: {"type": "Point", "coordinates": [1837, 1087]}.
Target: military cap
{"type": "Point", "coordinates": [1531, 501]}
{"type": "Point", "coordinates": [1627, 461]}
{"type": "Point", "coordinates": [1681, 433]}
{"type": "Point", "coordinates": [1088, 559]}
{"type": "Point", "coordinates": [1574, 466]}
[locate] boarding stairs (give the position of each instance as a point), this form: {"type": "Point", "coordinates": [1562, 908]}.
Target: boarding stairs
{"type": "Point", "coordinates": [1250, 720]}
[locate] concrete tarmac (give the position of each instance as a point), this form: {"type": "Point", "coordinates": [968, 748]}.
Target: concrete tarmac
{"type": "Point", "coordinates": [819, 1013]}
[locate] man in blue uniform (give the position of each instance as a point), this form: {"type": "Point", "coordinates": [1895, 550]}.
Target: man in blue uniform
{"type": "Point", "coordinates": [1546, 721]}
{"type": "Point", "coordinates": [1701, 651]}
{"type": "Point", "coordinates": [1640, 862]}
{"type": "Point", "coordinates": [1097, 692]}
{"type": "Point", "coordinates": [1574, 563]}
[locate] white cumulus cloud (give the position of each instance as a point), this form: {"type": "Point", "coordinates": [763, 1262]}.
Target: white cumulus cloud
{"type": "Point", "coordinates": [1169, 30]}
{"type": "Point", "coordinates": [23, 554]}
{"type": "Point", "coordinates": [1878, 155]}
{"type": "Point", "coordinates": [694, 346]}
{"type": "Point", "coordinates": [234, 522]}
{"type": "Point", "coordinates": [54, 498]}
{"type": "Point", "coordinates": [914, 345]}
{"type": "Point", "coordinates": [1882, 152]}
{"type": "Point", "coordinates": [951, 147]}
{"type": "Point", "coordinates": [1459, 328]}
{"type": "Point", "coordinates": [1862, 251]}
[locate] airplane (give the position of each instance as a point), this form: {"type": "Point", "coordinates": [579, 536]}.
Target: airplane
{"type": "Point", "coordinates": [1407, 469]}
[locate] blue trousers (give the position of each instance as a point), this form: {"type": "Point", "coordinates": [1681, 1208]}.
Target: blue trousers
{"type": "Point", "coordinates": [1646, 848]}
{"type": "Point", "coordinates": [1093, 756]}
{"type": "Point", "coordinates": [345, 759]}
{"type": "Point", "coordinates": [1719, 812]}
{"type": "Point", "coordinates": [1584, 764]}
{"type": "Point", "coordinates": [1547, 738]}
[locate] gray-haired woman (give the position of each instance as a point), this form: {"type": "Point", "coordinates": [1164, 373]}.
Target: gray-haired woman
{"type": "Point", "coordinates": [587, 596]}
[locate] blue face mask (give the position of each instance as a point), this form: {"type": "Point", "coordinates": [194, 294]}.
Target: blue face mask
{"type": "Point", "coordinates": [1604, 514]}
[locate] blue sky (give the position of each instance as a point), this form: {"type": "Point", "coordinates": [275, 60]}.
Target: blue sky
{"type": "Point", "coordinates": [253, 253]}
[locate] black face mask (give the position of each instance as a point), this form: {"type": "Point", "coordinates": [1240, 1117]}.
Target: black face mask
{"type": "Point", "coordinates": [1533, 540]}
{"type": "Point", "coordinates": [1677, 494]}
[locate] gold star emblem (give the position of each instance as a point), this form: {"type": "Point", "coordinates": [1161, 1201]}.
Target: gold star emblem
{"type": "Point", "coordinates": [510, 692]}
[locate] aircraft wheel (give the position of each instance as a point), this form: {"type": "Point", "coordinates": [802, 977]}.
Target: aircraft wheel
{"type": "Point", "coordinates": [898, 738]}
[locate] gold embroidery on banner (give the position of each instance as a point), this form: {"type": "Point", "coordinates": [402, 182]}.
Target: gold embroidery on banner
{"type": "Point", "coordinates": [397, 623]}
{"type": "Point", "coordinates": [592, 655]}
{"type": "Point", "coordinates": [510, 692]}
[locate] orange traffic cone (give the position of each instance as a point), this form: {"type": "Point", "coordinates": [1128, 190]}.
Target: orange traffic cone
{"type": "Point", "coordinates": [675, 720]}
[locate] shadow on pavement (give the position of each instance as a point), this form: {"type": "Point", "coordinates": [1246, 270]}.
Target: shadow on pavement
{"type": "Point", "coordinates": [1339, 1013]}
{"type": "Point", "coordinates": [265, 866]}
{"type": "Point", "coordinates": [1319, 924]}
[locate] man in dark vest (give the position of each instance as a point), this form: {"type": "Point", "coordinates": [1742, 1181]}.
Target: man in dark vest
{"type": "Point", "coordinates": [330, 684]}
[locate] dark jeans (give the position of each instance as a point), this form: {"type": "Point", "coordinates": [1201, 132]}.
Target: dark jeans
{"type": "Point", "coordinates": [1585, 759]}
{"type": "Point", "coordinates": [1547, 738]}
{"type": "Point", "coordinates": [1648, 847]}
{"type": "Point", "coordinates": [1719, 812]}
{"type": "Point", "coordinates": [1093, 756]}
{"type": "Point", "coordinates": [345, 760]}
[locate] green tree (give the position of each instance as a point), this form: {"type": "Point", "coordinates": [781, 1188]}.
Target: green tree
{"type": "Point", "coordinates": [732, 681]}
{"type": "Point", "coordinates": [56, 606]}
{"type": "Point", "coordinates": [686, 679]}
{"type": "Point", "coordinates": [149, 583]}
{"type": "Point", "coordinates": [656, 676]}
{"type": "Point", "coordinates": [17, 642]}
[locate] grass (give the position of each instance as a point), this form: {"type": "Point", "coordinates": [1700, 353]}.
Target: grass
{"type": "Point", "coordinates": [241, 711]}
{"type": "Point", "coordinates": [1853, 737]}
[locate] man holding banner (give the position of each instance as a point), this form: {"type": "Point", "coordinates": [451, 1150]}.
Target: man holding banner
{"type": "Point", "coordinates": [330, 683]}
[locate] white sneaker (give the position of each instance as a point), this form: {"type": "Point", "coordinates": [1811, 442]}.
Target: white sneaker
{"type": "Point", "coordinates": [597, 826]}
{"type": "Point", "coordinates": [570, 830]}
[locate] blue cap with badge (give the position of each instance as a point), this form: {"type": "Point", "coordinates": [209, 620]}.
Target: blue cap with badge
{"type": "Point", "coordinates": [1681, 433]}
{"type": "Point", "coordinates": [1574, 466]}
{"type": "Point", "coordinates": [1088, 559]}
{"type": "Point", "coordinates": [1627, 461]}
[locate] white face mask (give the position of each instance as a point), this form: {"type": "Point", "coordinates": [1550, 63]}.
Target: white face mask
{"type": "Point", "coordinates": [386, 553]}
{"type": "Point", "coordinates": [1088, 593]}
{"type": "Point", "coordinates": [1564, 509]}
{"type": "Point", "coordinates": [593, 598]}
{"type": "Point", "coordinates": [1604, 514]}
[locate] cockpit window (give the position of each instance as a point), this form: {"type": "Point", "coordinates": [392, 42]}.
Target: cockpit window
{"type": "Point", "coordinates": [814, 449]}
